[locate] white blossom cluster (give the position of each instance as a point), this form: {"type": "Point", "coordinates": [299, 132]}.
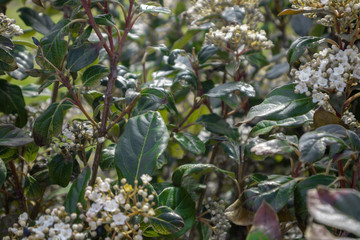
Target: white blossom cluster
{"type": "Point", "coordinates": [346, 11]}
{"type": "Point", "coordinates": [349, 119]}
{"type": "Point", "coordinates": [107, 215]}
{"type": "Point", "coordinates": [330, 71]}
{"type": "Point", "coordinates": [218, 219]}
{"type": "Point", "coordinates": [8, 28]}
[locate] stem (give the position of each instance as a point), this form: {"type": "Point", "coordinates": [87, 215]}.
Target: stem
{"type": "Point", "coordinates": [355, 177]}
{"type": "Point", "coordinates": [55, 92]}
{"type": "Point", "coordinates": [296, 174]}
{"type": "Point", "coordinates": [341, 174]}
{"type": "Point", "coordinates": [18, 188]}
{"type": "Point", "coordinates": [352, 98]}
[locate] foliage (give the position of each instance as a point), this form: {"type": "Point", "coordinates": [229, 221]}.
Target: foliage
{"type": "Point", "coordinates": [226, 119]}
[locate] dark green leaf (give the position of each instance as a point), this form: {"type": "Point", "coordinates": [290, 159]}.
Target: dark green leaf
{"type": "Point", "coordinates": [105, 19]}
{"type": "Point", "coordinates": [144, 139]}
{"type": "Point", "coordinates": [49, 123]}
{"type": "Point", "coordinates": [77, 191]}
{"type": "Point", "coordinates": [80, 57]}
{"type": "Point", "coordinates": [207, 52]}
{"type": "Point", "coordinates": [32, 187]}
{"type": "Point", "coordinates": [335, 208]}
{"type": "Point", "coordinates": [15, 104]}
{"type": "Point", "coordinates": [180, 43]}
{"type": "Point", "coordinates": [31, 152]}
{"type": "Point", "coordinates": [166, 221]}
{"type": "Point", "coordinates": [257, 59]}
{"type": "Point", "coordinates": [266, 222]}
{"type": "Point", "coordinates": [7, 61]}
{"type": "Point", "coordinates": [277, 70]}
{"type": "Point", "coordinates": [276, 191]}
{"type": "Point", "coordinates": [54, 51]}
{"type": "Point", "coordinates": [3, 172]}
{"type": "Point", "coordinates": [187, 76]}
{"type": "Point", "coordinates": [282, 103]}
{"type": "Point", "coordinates": [190, 142]}
{"type": "Point", "coordinates": [181, 202]}
{"type": "Point", "coordinates": [232, 149]}
{"type": "Point", "coordinates": [215, 124]}
{"type": "Point", "coordinates": [39, 21]}
{"type": "Point", "coordinates": [107, 158]}
{"type": "Point", "coordinates": [92, 76]}
{"type": "Point", "coordinates": [11, 136]}
{"type": "Point", "coordinates": [265, 126]}
{"type": "Point", "coordinates": [272, 147]}
{"type": "Point", "coordinates": [60, 169]}
{"type": "Point", "coordinates": [234, 14]}
{"type": "Point", "coordinates": [300, 194]}
{"type": "Point", "coordinates": [24, 60]}
{"type": "Point", "coordinates": [6, 43]}
{"type": "Point", "coordinates": [299, 46]}
{"type": "Point", "coordinates": [225, 89]}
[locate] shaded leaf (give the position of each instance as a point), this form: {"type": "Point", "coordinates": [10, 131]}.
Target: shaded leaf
{"type": "Point", "coordinates": [105, 19]}
{"type": "Point", "coordinates": [24, 60]}
{"type": "Point", "coordinates": [299, 46]}
{"type": "Point", "coordinates": [80, 57]}
{"type": "Point", "coordinates": [92, 75]}
{"type": "Point", "coordinates": [3, 172]}
{"type": "Point", "coordinates": [207, 52]}
{"type": "Point", "coordinates": [107, 158]}
{"type": "Point", "coordinates": [60, 169]}
{"type": "Point", "coordinates": [225, 89]}
{"type": "Point", "coordinates": [239, 215]}
{"type": "Point", "coordinates": [7, 61]}
{"type": "Point", "coordinates": [190, 142]}
{"type": "Point", "coordinates": [234, 14]}
{"type": "Point", "coordinates": [215, 124]}
{"type": "Point", "coordinates": [6, 43]}
{"type": "Point", "coordinates": [32, 187]}
{"type": "Point", "coordinates": [11, 136]}
{"type": "Point", "coordinates": [272, 147]}
{"type": "Point", "coordinates": [31, 152]}
{"type": "Point", "coordinates": [154, 9]}
{"type": "Point", "coordinates": [39, 21]}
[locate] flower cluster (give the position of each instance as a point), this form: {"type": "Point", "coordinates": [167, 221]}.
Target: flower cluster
{"type": "Point", "coordinates": [331, 71]}
{"type": "Point", "coordinates": [8, 28]}
{"type": "Point", "coordinates": [349, 119]}
{"type": "Point", "coordinates": [218, 219]}
{"type": "Point", "coordinates": [107, 215]}
{"type": "Point", "coordinates": [344, 11]}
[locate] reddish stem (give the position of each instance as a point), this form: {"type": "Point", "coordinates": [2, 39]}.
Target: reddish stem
{"type": "Point", "coordinates": [341, 173]}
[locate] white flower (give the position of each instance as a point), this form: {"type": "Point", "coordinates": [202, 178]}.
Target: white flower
{"type": "Point", "coordinates": [95, 208]}
{"type": "Point", "coordinates": [324, 2]}
{"type": "Point", "coordinates": [340, 85]}
{"type": "Point", "coordinates": [317, 97]}
{"type": "Point", "coordinates": [339, 70]}
{"type": "Point", "coordinates": [322, 81]}
{"type": "Point", "coordinates": [334, 77]}
{"type": "Point", "coordinates": [120, 199]}
{"type": "Point", "coordinates": [301, 87]}
{"type": "Point", "coordinates": [24, 216]}
{"type": "Point", "coordinates": [356, 72]}
{"type": "Point", "coordinates": [104, 187]}
{"type": "Point", "coordinates": [101, 140]}
{"type": "Point", "coordinates": [303, 76]}
{"type": "Point", "coordinates": [94, 196]}
{"type": "Point", "coordinates": [146, 178]}
{"type": "Point", "coordinates": [65, 233]}
{"type": "Point", "coordinates": [67, 133]}
{"type": "Point", "coordinates": [111, 206]}
{"type": "Point", "coordinates": [119, 218]}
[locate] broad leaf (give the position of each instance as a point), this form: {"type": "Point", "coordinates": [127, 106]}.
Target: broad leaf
{"type": "Point", "coordinates": [80, 57]}
{"type": "Point", "coordinates": [190, 142]}
{"type": "Point", "coordinates": [207, 52]}
{"type": "Point", "coordinates": [335, 208]}
{"type": "Point", "coordinates": [31, 152]}
{"type": "Point", "coordinates": [92, 76]}
{"type": "Point", "coordinates": [15, 104]}
{"type": "Point", "coordinates": [225, 89]}
{"type": "Point", "coordinates": [105, 19]}
{"type": "Point", "coordinates": [215, 124]}
{"type": "Point", "coordinates": [77, 191]}
{"type": "Point", "coordinates": [11, 136]}
{"type": "Point", "coordinates": [32, 187]}
{"type": "Point", "coordinates": [49, 123]}
{"type": "Point", "coordinates": [107, 158]}
{"type": "Point", "coordinates": [266, 224]}
{"type": "Point", "coordinates": [276, 191]}
{"type": "Point", "coordinates": [39, 21]}
{"type": "Point", "coordinates": [154, 9]}
{"type": "Point", "coordinates": [282, 103]}
{"type": "Point", "coordinates": [24, 60]}
{"type": "Point", "coordinates": [7, 61]}
{"type": "Point", "coordinates": [3, 172]}
{"type": "Point", "coordinates": [239, 215]}
{"type": "Point", "coordinates": [181, 202]}
{"type": "Point", "coordinates": [144, 139]}
{"type": "Point", "coordinates": [299, 46]}
{"type": "Point", "coordinates": [60, 169]}
{"type": "Point", "coordinates": [6, 43]}
{"type": "Point", "coordinates": [234, 14]}
{"type": "Point", "coordinates": [272, 147]}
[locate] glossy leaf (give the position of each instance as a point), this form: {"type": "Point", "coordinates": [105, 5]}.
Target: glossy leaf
{"type": "Point", "coordinates": [239, 215]}
{"type": "Point", "coordinates": [80, 57]}
{"type": "Point", "coordinates": [11, 136]}
{"type": "Point", "coordinates": [15, 104]}
{"type": "Point", "coordinates": [276, 191]}
{"type": "Point", "coordinates": [265, 126]}
{"type": "Point", "coordinates": [105, 19]}
{"type": "Point", "coordinates": [107, 158]}
{"type": "Point", "coordinates": [272, 147]}
{"type": "Point", "coordinates": [300, 194]}
{"type": "Point", "coordinates": [93, 75]}
{"type": "Point", "coordinates": [190, 142]}
{"type": "Point", "coordinates": [181, 202]}
{"type": "Point", "coordinates": [232, 149]}
{"type": "Point", "coordinates": [277, 70]}
{"type": "Point", "coordinates": [154, 9]}
{"type": "Point", "coordinates": [32, 187]}
{"type": "Point", "coordinates": [312, 145]}
{"type": "Point", "coordinates": [225, 89]}
{"type": "Point", "coordinates": [77, 191]}
{"type": "Point", "coordinates": [3, 172]}
{"type": "Point", "coordinates": [299, 46]}
{"type": "Point", "coordinates": [60, 169]}
{"type": "Point", "coordinates": [24, 60]}
{"type": "Point", "coordinates": [144, 139]}
{"type": "Point", "coordinates": [282, 103]}
{"type": "Point", "coordinates": [7, 61]}
{"type": "Point", "coordinates": [166, 221]}
{"type": "Point", "coordinates": [207, 52]}
{"type": "Point", "coordinates": [234, 14]}
{"type": "Point", "coordinates": [6, 43]}
{"type": "Point", "coordinates": [335, 208]}
{"type": "Point", "coordinates": [215, 124]}
{"type": "Point", "coordinates": [49, 123]}
{"type": "Point", "coordinates": [266, 224]}
{"type": "Point", "coordinates": [39, 21]}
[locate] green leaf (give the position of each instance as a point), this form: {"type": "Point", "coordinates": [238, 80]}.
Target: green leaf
{"type": "Point", "coordinates": [272, 147]}
{"type": "Point", "coordinates": [215, 124]}
{"type": "Point", "coordinates": [6, 43]}
{"type": "Point", "coordinates": [60, 169]}
{"type": "Point", "coordinates": [299, 46]}
{"type": "Point", "coordinates": [92, 76]}
{"type": "Point", "coordinates": [32, 188]}
{"type": "Point", "coordinates": [282, 103]}
{"type": "Point", "coordinates": [181, 202]}
{"type": "Point", "coordinates": [180, 43]}
{"type": "Point", "coordinates": [207, 52]}
{"type": "Point", "coordinates": [300, 194]}
{"type": "Point", "coordinates": [24, 60]}
{"type": "Point", "coordinates": [3, 172]}
{"type": "Point", "coordinates": [105, 19]}
{"type": "Point", "coordinates": [11, 136]}
{"type": "Point", "coordinates": [276, 191]}
{"type": "Point", "coordinates": [77, 191]}
{"type": "Point", "coordinates": [107, 158]}
{"type": "Point", "coordinates": [165, 222]}
{"type": "Point", "coordinates": [225, 89]}
{"type": "Point", "coordinates": [257, 59]}
{"type": "Point", "coordinates": [80, 57]}
{"type": "Point", "coordinates": [15, 104]}
{"type": "Point", "coordinates": [266, 224]}
{"type": "Point", "coordinates": [335, 208]}
{"type": "Point", "coordinates": [265, 126]}
{"type": "Point", "coordinates": [49, 123]}
{"type": "Point", "coordinates": [312, 145]}
{"type": "Point", "coordinates": [232, 149]}
{"type": "Point", "coordinates": [31, 152]}
{"type": "Point", "coordinates": [234, 14]}
{"type": "Point", "coordinates": [277, 70]}
{"type": "Point", "coordinates": [154, 9]}
{"type": "Point", "coordinates": [7, 61]}
{"type": "Point", "coordinates": [144, 139]}
{"type": "Point", "coordinates": [190, 142]}
{"type": "Point", "coordinates": [39, 21]}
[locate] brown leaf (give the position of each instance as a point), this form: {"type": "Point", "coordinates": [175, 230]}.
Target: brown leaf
{"type": "Point", "coordinates": [323, 117]}
{"type": "Point", "coordinates": [290, 12]}
{"type": "Point", "coordinates": [239, 215]}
